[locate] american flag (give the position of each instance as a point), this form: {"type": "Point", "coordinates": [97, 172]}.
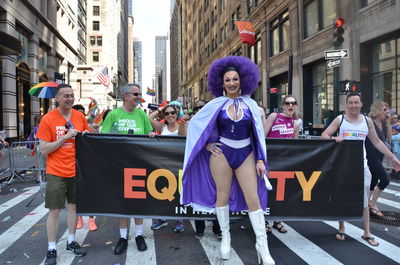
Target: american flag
{"type": "Point", "coordinates": [103, 77]}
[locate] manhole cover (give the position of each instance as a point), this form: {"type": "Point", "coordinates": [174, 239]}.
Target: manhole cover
{"type": "Point", "coordinates": [389, 218]}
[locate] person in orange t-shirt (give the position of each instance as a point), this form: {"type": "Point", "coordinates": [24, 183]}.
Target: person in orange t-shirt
{"type": "Point", "coordinates": [56, 133]}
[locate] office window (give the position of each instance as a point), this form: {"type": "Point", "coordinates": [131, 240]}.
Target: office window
{"type": "Point", "coordinates": [99, 41]}
{"type": "Point", "coordinates": [96, 25]}
{"type": "Point", "coordinates": [279, 33]}
{"type": "Point", "coordinates": [96, 56]}
{"type": "Point", "coordinates": [364, 3]}
{"type": "Point", "coordinates": [318, 14]}
{"type": "Point", "coordinates": [96, 10]}
{"type": "Point", "coordinates": [92, 40]}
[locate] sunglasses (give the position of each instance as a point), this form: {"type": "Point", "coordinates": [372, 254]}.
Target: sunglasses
{"type": "Point", "coordinates": [288, 103]}
{"type": "Point", "coordinates": [135, 94]}
{"type": "Point", "coordinates": [167, 113]}
{"type": "Point", "coordinates": [69, 125]}
{"type": "Point", "coordinates": [197, 108]}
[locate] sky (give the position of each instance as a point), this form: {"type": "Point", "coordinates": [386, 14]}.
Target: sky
{"type": "Point", "coordinates": [151, 18]}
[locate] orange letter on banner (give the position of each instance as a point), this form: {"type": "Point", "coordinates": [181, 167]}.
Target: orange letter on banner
{"type": "Point", "coordinates": [307, 186]}
{"type": "Point", "coordinates": [281, 176]}
{"type": "Point", "coordinates": [129, 183]}
{"type": "Point", "coordinates": [167, 192]}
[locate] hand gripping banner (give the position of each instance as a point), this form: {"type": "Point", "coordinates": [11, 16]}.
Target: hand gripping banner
{"type": "Point", "coordinates": [138, 176]}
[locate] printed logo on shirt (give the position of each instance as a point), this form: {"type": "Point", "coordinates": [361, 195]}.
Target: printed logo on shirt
{"type": "Point", "coordinates": [60, 132]}
{"type": "Point", "coordinates": [124, 125]}
{"type": "Point", "coordinates": [358, 135]}
{"type": "Point", "coordinates": [282, 128]}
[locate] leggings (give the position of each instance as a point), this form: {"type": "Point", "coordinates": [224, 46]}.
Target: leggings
{"type": "Point", "coordinates": [378, 172]}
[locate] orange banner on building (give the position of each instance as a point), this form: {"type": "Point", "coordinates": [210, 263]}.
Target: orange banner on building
{"type": "Point", "coordinates": [246, 32]}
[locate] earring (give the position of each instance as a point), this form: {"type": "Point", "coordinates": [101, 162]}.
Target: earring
{"type": "Point", "coordinates": [223, 93]}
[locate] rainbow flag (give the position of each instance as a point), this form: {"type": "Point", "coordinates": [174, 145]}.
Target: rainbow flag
{"type": "Point", "coordinates": [99, 119]}
{"type": "Point", "coordinates": [150, 92]}
{"type": "Point", "coordinates": [92, 109]}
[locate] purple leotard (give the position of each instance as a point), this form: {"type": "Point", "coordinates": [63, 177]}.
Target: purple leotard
{"type": "Point", "coordinates": [239, 131]}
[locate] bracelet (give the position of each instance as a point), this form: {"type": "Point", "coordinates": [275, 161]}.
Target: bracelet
{"type": "Point", "coordinates": [260, 161]}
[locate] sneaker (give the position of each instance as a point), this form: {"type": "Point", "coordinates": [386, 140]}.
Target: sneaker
{"type": "Point", "coordinates": [160, 223]}
{"type": "Point", "coordinates": [76, 249]}
{"type": "Point", "coordinates": [121, 246]}
{"type": "Point", "coordinates": [92, 224]}
{"type": "Point", "coordinates": [179, 228]}
{"type": "Point", "coordinates": [140, 243]}
{"type": "Point", "coordinates": [51, 257]}
{"type": "Point", "coordinates": [79, 224]}
{"type": "Point", "coordinates": [199, 235]}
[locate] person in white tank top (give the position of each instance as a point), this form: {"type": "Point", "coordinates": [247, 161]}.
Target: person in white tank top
{"type": "Point", "coordinates": [170, 126]}
{"type": "Point", "coordinates": [355, 126]}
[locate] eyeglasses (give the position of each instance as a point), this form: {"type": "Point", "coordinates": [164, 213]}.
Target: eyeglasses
{"type": "Point", "coordinates": [288, 103]}
{"type": "Point", "coordinates": [167, 113]}
{"type": "Point", "coordinates": [197, 108]}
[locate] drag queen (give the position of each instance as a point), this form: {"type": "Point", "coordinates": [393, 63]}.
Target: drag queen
{"type": "Point", "coordinates": [225, 163]}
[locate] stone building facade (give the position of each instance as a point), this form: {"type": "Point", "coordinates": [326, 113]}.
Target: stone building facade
{"type": "Point", "coordinates": [51, 34]}
{"type": "Point", "coordinates": [301, 30]}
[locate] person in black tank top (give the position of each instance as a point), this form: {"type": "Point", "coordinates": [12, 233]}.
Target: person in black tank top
{"type": "Point", "coordinates": [380, 117]}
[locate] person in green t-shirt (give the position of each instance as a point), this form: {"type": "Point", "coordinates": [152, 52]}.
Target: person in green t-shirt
{"type": "Point", "coordinates": [124, 120]}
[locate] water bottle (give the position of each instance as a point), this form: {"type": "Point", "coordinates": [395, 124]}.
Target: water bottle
{"type": "Point", "coordinates": [114, 128]}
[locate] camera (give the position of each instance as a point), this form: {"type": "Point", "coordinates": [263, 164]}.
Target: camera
{"type": "Point", "coordinates": [153, 106]}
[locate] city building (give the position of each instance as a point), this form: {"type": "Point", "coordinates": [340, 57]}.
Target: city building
{"type": "Point", "coordinates": [137, 46]}
{"type": "Point", "coordinates": [107, 44]}
{"type": "Point", "coordinates": [176, 54]}
{"type": "Point", "coordinates": [161, 67]}
{"type": "Point", "coordinates": [291, 40]}
{"type": "Point", "coordinates": [52, 38]}
{"type": "Point", "coordinates": [131, 50]}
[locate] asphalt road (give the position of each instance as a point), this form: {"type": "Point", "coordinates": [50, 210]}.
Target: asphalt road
{"type": "Point", "coordinates": [23, 239]}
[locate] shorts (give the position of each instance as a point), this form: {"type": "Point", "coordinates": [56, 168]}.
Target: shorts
{"type": "Point", "coordinates": [57, 190]}
{"type": "Point", "coordinates": [367, 183]}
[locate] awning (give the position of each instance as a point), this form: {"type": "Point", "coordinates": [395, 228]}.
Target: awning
{"type": "Point", "coordinates": [9, 45]}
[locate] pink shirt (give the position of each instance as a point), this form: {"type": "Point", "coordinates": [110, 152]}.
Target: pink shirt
{"type": "Point", "coordinates": [283, 127]}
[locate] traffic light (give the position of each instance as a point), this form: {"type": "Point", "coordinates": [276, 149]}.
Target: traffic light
{"type": "Point", "coordinates": [338, 31]}
{"type": "Point", "coordinates": [347, 86]}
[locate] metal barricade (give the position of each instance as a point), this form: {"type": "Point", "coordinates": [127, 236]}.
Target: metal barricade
{"type": "Point", "coordinates": [395, 148]}
{"type": "Point", "coordinates": [5, 167]}
{"type": "Point", "coordinates": [25, 161]}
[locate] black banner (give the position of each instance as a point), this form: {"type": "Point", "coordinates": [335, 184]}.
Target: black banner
{"type": "Point", "coordinates": [138, 176]}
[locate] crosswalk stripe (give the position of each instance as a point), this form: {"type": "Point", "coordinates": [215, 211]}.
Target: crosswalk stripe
{"type": "Point", "coordinates": [133, 255]}
{"type": "Point", "coordinates": [304, 248]}
{"type": "Point", "coordinates": [21, 227]}
{"type": "Point", "coordinates": [389, 203]}
{"type": "Point", "coordinates": [21, 197]}
{"type": "Point", "coordinates": [65, 257]}
{"type": "Point", "coordinates": [211, 247]}
{"type": "Point", "coordinates": [394, 184]}
{"type": "Point", "coordinates": [391, 192]}
{"type": "Point", "coordinates": [385, 248]}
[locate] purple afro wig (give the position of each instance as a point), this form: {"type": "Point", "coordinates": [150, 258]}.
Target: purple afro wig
{"type": "Point", "coordinates": [248, 72]}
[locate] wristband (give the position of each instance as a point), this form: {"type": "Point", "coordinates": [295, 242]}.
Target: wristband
{"type": "Point", "coordinates": [260, 161]}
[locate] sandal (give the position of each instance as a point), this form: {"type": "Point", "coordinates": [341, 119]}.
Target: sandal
{"type": "Point", "coordinates": [375, 212]}
{"type": "Point", "coordinates": [278, 226]}
{"type": "Point", "coordinates": [370, 240]}
{"type": "Point", "coordinates": [340, 236]}
{"type": "Point", "coordinates": [268, 229]}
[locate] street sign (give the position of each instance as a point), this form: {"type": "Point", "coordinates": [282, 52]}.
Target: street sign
{"type": "Point", "coordinates": [334, 54]}
{"type": "Point", "coordinates": [334, 63]}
